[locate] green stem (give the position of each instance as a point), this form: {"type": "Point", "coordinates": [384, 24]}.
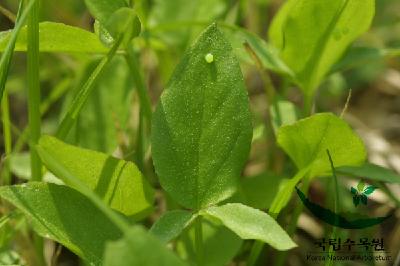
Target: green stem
{"type": "Point", "coordinates": [83, 94]}
{"type": "Point", "coordinates": [5, 112]}
{"type": "Point", "coordinates": [144, 98]}
{"type": "Point", "coordinates": [281, 258]}
{"type": "Point", "coordinates": [34, 89]}
{"type": "Point", "coordinates": [199, 241]}
{"type": "Point", "coordinates": [255, 252]}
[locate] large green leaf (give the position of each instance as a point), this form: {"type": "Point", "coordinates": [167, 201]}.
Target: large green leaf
{"type": "Point", "coordinates": [119, 183]}
{"type": "Point", "coordinates": [220, 244]}
{"type": "Point", "coordinates": [58, 37]}
{"type": "Point", "coordinates": [171, 224]}
{"type": "Point", "coordinates": [307, 141]}
{"type": "Point", "coordinates": [139, 248]}
{"type": "Point", "coordinates": [313, 34]}
{"type": "Point", "coordinates": [249, 223]}
{"type": "Point", "coordinates": [102, 10]}
{"type": "Point", "coordinates": [64, 215]}
{"type": "Point", "coordinates": [202, 125]}
{"type": "Point", "coordinates": [370, 171]}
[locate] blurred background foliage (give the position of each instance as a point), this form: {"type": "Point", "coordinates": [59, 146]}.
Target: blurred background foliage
{"type": "Point", "coordinates": [110, 122]}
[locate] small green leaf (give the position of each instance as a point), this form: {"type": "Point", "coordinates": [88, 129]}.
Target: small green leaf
{"type": "Point", "coordinates": [202, 128]}
{"type": "Point", "coordinates": [119, 183]}
{"type": "Point", "coordinates": [369, 190]}
{"type": "Point", "coordinates": [307, 140]}
{"type": "Point", "coordinates": [64, 215]}
{"type": "Point", "coordinates": [312, 35]}
{"type": "Point", "coordinates": [249, 223]}
{"type": "Point", "coordinates": [171, 224]}
{"type": "Point", "coordinates": [58, 37]}
{"type": "Point", "coordinates": [124, 21]}
{"type": "Point", "coordinates": [102, 10]}
{"type": "Point", "coordinates": [353, 191]}
{"type": "Point", "coordinates": [360, 186]}
{"type": "Point", "coordinates": [370, 171]}
{"type": "Point", "coordinates": [139, 248]}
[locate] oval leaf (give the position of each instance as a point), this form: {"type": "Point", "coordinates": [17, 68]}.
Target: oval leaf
{"type": "Point", "coordinates": [119, 183]}
{"type": "Point", "coordinates": [58, 37]}
{"type": "Point", "coordinates": [202, 125]}
{"type": "Point", "coordinates": [249, 223]}
{"type": "Point", "coordinates": [312, 35]}
{"type": "Point", "coordinates": [307, 140]}
{"type": "Point", "coordinates": [64, 215]}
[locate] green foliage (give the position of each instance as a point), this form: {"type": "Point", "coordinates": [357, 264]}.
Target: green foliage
{"type": "Point", "coordinates": [64, 215]}
{"type": "Point", "coordinates": [125, 22]}
{"type": "Point", "coordinates": [57, 37]}
{"type": "Point", "coordinates": [307, 140]}
{"type": "Point", "coordinates": [138, 248]}
{"type": "Point", "coordinates": [312, 35]}
{"type": "Point", "coordinates": [171, 224]}
{"type": "Point", "coordinates": [119, 183]}
{"type": "Point", "coordinates": [202, 125]}
{"type": "Point", "coordinates": [306, 143]}
{"type": "Point", "coordinates": [249, 223]}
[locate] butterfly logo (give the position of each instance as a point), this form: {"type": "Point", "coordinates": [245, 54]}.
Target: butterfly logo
{"type": "Point", "coordinates": [360, 194]}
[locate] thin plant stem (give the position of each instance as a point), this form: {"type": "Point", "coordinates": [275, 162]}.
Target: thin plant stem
{"type": "Point", "coordinates": [199, 241]}
{"type": "Point", "coordinates": [7, 13]}
{"type": "Point", "coordinates": [281, 257]}
{"type": "Point", "coordinates": [5, 114]}
{"type": "Point", "coordinates": [84, 92]}
{"type": "Point", "coordinates": [34, 89]}
{"type": "Point", "coordinates": [144, 98]}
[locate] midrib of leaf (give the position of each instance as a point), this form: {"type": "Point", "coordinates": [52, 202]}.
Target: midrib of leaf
{"type": "Point", "coordinates": [321, 46]}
